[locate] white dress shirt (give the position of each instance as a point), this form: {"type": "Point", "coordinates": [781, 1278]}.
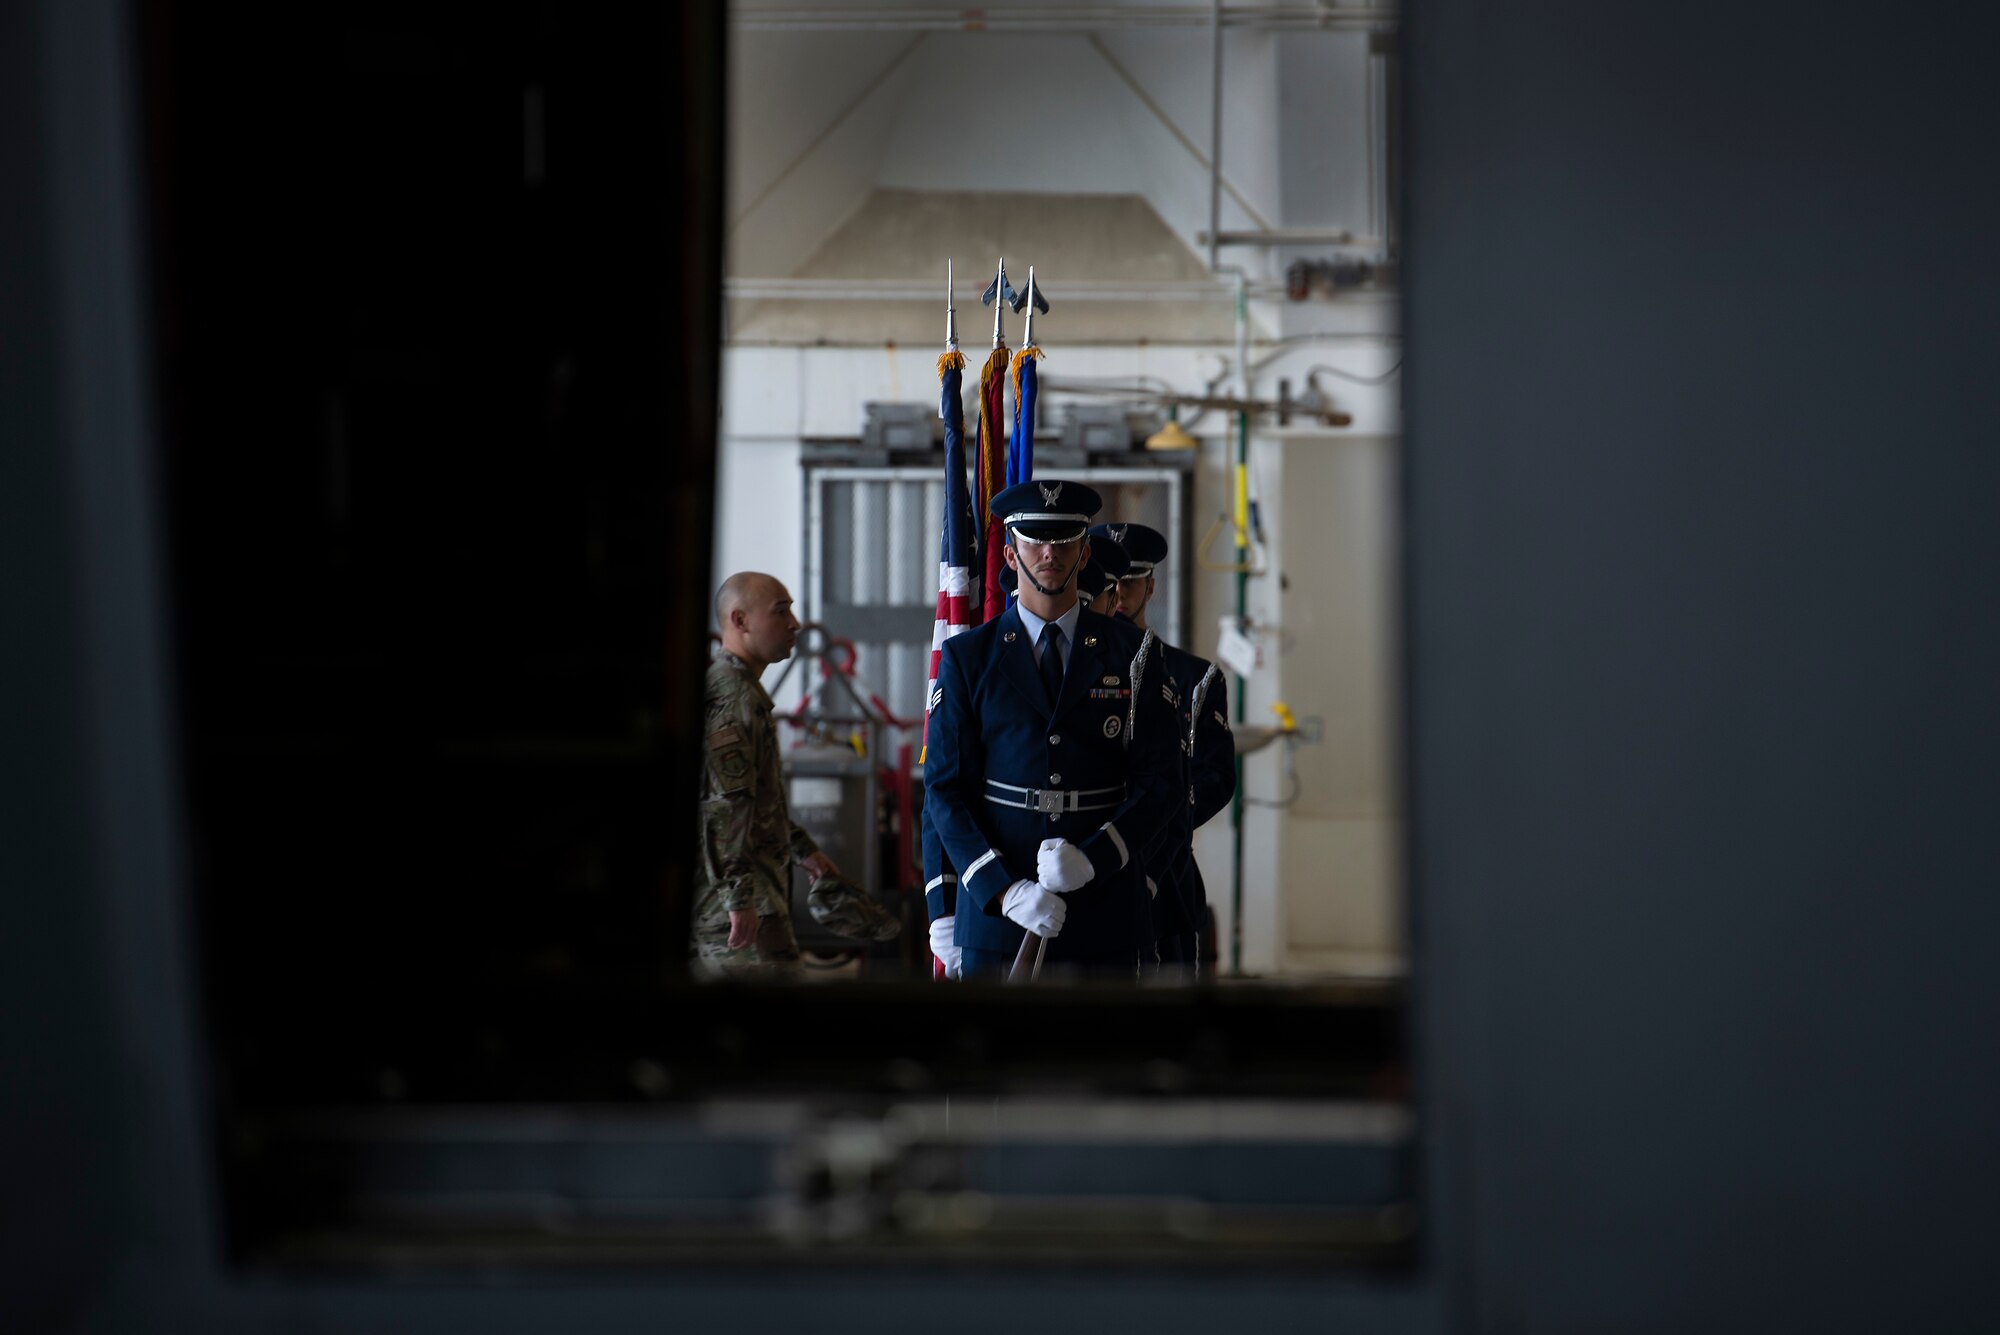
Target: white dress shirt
{"type": "Point", "coordinates": [1066, 623]}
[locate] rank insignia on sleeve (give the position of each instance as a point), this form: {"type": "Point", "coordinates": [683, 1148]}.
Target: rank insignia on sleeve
{"type": "Point", "coordinates": [936, 697]}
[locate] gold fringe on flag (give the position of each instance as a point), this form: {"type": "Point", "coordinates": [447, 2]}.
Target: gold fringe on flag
{"type": "Point", "coordinates": [951, 361]}
{"type": "Point", "coordinates": [990, 477]}
{"type": "Point", "coordinates": [1020, 357]}
{"type": "Point", "coordinates": [991, 473]}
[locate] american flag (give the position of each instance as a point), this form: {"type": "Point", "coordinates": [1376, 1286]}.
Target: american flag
{"type": "Point", "coordinates": [957, 607]}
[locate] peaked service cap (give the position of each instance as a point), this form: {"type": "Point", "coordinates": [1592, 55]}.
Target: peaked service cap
{"type": "Point", "coordinates": [1145, 546]}
{"type": "Point", "coordinates": [1046, 509]}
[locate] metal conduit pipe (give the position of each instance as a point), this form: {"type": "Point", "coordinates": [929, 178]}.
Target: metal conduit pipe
{"type": "Point", "coordinates": [1084, 292]}
{"type": "Point", "coordinates": [1242, 423]}
{"type": "Point", "coordinates": [1094, 18]}
{"type": "Point", "coordinates": [1214, 130]}
{"type": "Point", "coordinates": [1289, 236]}
{"type": "Point", "coordinates": [1242, 480]}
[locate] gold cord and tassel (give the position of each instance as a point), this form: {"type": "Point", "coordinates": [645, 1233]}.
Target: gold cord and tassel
{"type": "Point", "coordinates": [1020, 358]}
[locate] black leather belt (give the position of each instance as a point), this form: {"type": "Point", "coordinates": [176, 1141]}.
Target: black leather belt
{"type": "Point", "coordinates": [1054, 801]}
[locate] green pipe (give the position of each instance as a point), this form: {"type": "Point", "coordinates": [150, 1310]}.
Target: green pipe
{"type": "Point", "coordinates": [1236, 803]}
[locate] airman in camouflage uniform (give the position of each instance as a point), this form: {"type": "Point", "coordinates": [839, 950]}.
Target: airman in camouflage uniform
{"type": "Point", "coordinates": [749, 842]}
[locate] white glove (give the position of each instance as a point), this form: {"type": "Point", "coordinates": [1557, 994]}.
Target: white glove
{"type": "Point", "coordinates": [1034, 908]}
{"type": "Point", "coordinates": [941, 946]}
{"type": "Point", "coordinates": [1062, 866]}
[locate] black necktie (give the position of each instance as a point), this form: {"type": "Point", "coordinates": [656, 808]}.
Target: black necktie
{"type": "Point", "coordinates": [1052, 666]}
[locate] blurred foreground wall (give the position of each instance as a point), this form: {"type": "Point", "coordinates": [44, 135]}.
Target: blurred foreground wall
{"type": "Point", "coordinates": [1701, 665]}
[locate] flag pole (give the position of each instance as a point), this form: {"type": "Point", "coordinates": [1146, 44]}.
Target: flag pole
{"type": "Point", "coordinates": [993, 471]}
{"type": "Point", "coordinates": [954, 613]}
{"type": "Point", "coordinates": [1028, 332]}
{"type": "Point", "coordinates": [999, 301]}
{"type": "Point", "coordinates": [1028, 959]}
{"type": "Point", "coordinates": [1034, 946]}
{"type": "Point", "coordinates": [1028, 342]}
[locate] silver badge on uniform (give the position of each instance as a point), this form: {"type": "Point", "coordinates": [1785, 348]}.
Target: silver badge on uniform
{"type": "Point", "coordinates": [1111, 680]}
{"type": "Point", "coordinates": [1112, 725]}
{"type": "Point", "coordinates": [1051, 492]}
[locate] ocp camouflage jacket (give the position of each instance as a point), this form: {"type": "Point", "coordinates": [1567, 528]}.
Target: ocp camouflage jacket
{"type": "Point", "coordinates": [748, 839]}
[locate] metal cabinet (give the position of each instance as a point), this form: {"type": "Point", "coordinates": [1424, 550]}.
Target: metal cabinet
{"type": "Point", "coordinates": [871, 558]}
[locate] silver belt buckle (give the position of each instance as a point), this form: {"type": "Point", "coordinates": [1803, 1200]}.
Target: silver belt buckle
{"type": "Point", "coordinates": [1046, 801]}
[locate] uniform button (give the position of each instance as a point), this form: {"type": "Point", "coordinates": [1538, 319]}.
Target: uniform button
{"type": "Point", "coordinates": [1055, 815]}
{"type": "Point", "coordinates": [1055, 778]}
{"type": "Point", "coordinates": [1055, 741]}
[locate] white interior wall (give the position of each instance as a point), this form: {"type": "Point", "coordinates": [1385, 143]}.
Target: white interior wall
{"type": "Point", "coordinates": [1052, 113]}
{"type": "Point", "coordinates": [1333, 625]}
{"type": "Point", "coordinates": [790, 188]}
{"type": "Point", "coordinates": [1321, 876]}
{"type": "Point", "coordinates": [1173, 65]}
{"type": "Point", "coordinates": [1061, 118]}
{"type": "Point", "coordinates": [1321, 82]}
{"type": "Point", "coordinates": [783, 93]}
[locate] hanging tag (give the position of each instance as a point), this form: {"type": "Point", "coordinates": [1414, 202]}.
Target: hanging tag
{"type": "Point", "coordinates": [1237, 647]}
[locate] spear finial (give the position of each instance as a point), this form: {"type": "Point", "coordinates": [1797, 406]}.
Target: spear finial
{"type": "Point", "coordinates": [950, 313]}
{"type": "Point", "coordinates": [999, 301]}
{"type": "Point", "coordinates": [1028, 332]}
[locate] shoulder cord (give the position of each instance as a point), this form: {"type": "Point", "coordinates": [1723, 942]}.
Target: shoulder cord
{"type": "Point", "coordinates": [1138, 676]}
{"type": "Point", "coordinates": [1200, 698]}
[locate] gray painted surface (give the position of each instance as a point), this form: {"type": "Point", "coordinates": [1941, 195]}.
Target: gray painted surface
{"type": "Point", "coordinates": [1703, 659]}
{"type": "Point", "coordinates": [1702, 656]}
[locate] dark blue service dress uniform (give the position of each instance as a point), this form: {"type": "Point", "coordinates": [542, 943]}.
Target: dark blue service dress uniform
{"type": "Point", "coordinates": [940, 881]}
{"type": "Point", "coordinates": [1005, 770]}
{"type": "Point", "coordinates": [1209, 748]}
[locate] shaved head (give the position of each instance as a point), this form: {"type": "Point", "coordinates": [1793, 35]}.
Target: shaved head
{"type": "Point", "coordinates": [741, 590]}
{"type": "Point", "coordinates": [753, 613]}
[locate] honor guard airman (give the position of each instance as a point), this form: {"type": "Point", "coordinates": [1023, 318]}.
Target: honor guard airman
{"type": "Point", "coordinates": [1101, 573]}
{"type": "Point", "coordinates": [1097, 587]}
{"type": "Point", "coordinates": [1054, 759]}
{"type": "Point", "coordinates": [1181, 912]}
{"type": "Point", "coordinates": [1096, 584]}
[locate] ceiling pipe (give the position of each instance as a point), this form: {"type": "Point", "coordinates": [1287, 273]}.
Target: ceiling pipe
{"type": "Point", "coordinates": [1288, 236]}
{"type": "Point", "coordinates": [1084, 292]}
{"type": "Point", "coordinates": [1095, 18]}
{"type": "Point", "coordinates": [1214, 130]}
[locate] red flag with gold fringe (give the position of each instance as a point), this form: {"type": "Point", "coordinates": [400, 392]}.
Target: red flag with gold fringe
{"type": "Point", "coordinates": [992, 476]}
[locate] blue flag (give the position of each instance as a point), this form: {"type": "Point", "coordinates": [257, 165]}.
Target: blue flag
{"type": "Point", "coordinates": [1021, 453]}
